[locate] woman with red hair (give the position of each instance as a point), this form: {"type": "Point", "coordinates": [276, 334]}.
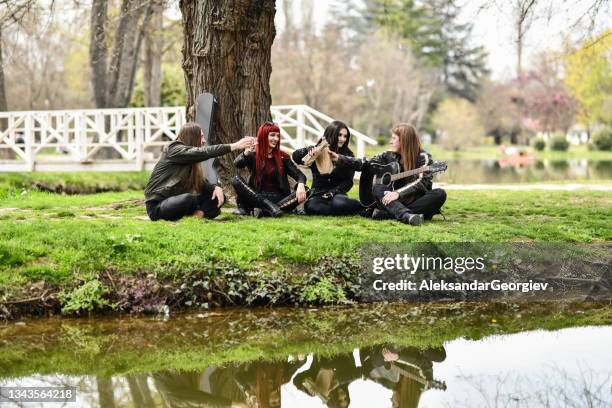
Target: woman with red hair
{"type": "Point", "coordinates": [267, 191]}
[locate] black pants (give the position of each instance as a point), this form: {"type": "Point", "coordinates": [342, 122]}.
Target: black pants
{"type": "Point", "coordinates": [248, 199]}
{"type": "Point", "coordinates": [428, 204]}
{"type": "Point", "coordinates": [179, 206]}
{"type": "Point", "coordinates": [340, 204]}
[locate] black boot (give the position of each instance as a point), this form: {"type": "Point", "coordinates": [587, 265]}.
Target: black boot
{"type": "Point", "coordinates": [412, 219]}
{"type": "Point", "coordinates": [270, 208]}
{"type": "Point", "coordinates": [240, 211]}
{"type": "Point", "coordinates": [403, 214]}
{"type": "Point", "coordinates": [254, 200]}
{"type": "Point", "coordinates": [378, 214]}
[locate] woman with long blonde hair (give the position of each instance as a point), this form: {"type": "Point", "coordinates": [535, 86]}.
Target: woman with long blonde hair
{"type": "Point", "coordinates": [410, 201]}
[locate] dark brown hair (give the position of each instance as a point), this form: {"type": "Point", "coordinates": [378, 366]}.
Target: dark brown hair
{"type": "Point", "coordinates": [191, 135]}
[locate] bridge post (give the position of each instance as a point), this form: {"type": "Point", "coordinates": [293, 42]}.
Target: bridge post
{"type": "Point", "coordinates": [299, 129]}
{"type": "Point", "coordinates": [139, 148]}
{"type": "Point", "coordinates": [29, 142]}
{"type": "Point", "coordinates": [360, 148]}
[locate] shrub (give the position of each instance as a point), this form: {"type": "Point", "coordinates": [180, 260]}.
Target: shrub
{"type": "Point", "coordinates": [602, 139]}
{"type": "Point", "coordinates": [559, 143]}
{"type": "Point", "coordinates": [88, 297]}
{"type": "Point", "coordinates": [539, 145]}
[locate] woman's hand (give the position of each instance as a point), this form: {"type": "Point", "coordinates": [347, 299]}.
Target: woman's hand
{"type": "Point", "coordinates": [333, 156]}
{"type": "Point", "coordinates": [218, 194]}
{"type": "Point", "coordinates": [243, 143]}
{"type": "Point", "coordinates": [389, 197]}
{"type": "Point", "coordinates": [301, 193]}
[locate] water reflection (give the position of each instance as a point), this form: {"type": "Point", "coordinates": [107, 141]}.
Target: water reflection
{"type": "Point", "coordinates": [502, 171]}
{"type": "Point", "coordinates": [365, 356]}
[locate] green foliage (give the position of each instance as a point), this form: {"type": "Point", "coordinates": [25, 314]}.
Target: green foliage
{"type": "Point", "coordinates": [602, 139]}
{"type": "Point", "coordinates": [559, 143]}
{"type": "Point", "coordinates": [589, 78]}
{"type": "Point", "coordinates": [459, 122]}
{"type": "Point", "coordinates": [539, 144]}
{"type": "Point", "coordinates": [173, 91]}
{"type": "Point", "coordinates": [436, 36]}
{"type": "Point", "coordinates": [88, 297]}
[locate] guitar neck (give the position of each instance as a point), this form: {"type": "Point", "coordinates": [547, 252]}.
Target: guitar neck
{"type": "Point", "coordinates": [408, 173]}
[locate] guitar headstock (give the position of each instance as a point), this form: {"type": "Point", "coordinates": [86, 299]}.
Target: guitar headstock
{"type": "Point", "coordinates": [438, 166]}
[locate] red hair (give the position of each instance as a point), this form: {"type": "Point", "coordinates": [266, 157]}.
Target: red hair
{"type": "Point", "coordinates": [261, 151]}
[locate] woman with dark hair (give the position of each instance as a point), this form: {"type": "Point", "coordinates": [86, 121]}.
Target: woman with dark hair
{"type": "Point", "coordinates": [329, 183]}
{"type": "Point", "coordinates": [267, 191]}
{"type": "Point", "coordinates": [177, 187]}
{"type": "Point", "coordinates": [412, 201]}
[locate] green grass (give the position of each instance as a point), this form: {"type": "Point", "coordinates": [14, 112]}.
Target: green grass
{"type": "Point", "coordinates": [60, 238]}
{"type": "Point", "coordinates": [13, 184]}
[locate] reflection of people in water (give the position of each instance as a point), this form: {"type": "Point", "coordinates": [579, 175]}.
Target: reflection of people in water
{"type": "Point", "coordinates": [328, 379]}
{"type": "Point", "coordinates": [245, 386]}
{"type": "Point", "coordinates": [408, 372]}
{"type": "Point", "coordinates": [262, 381]}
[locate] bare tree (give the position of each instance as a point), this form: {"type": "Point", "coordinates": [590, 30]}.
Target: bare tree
{"type": "Point", "coordinates": [226, 52]}
{"type": "Point", "coordinates": [153, 52]}
{"type": "Point", "coordinates": [523, 17]}
{"type": "Point", "coordinates": [113, 75]}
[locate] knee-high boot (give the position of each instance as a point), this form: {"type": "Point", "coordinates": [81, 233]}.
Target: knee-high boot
{"type": "Point", "coordinates": [255, 200]}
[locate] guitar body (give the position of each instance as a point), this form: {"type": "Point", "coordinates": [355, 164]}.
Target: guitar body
{"type": "Point", "coordinates": [205, 116]}
{"type": "Point", "coordinates": [372, 175]}
{"type": "Point", "coordinates": [388, 175]}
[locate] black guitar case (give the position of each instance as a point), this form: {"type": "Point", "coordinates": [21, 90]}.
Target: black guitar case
{"type": "Point", "coordinates": [206, 106]}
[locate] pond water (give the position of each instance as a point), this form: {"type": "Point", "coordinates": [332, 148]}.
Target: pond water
{"type": "Point", "coordinates": [380, 356]}
{"type": "Point", "coordinates": [497, 171]}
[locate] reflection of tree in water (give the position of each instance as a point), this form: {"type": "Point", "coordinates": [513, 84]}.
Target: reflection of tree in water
{"type": "Point", "coordinates": [246, 385]}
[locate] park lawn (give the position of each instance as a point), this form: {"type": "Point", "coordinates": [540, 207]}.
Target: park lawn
{"type": "Point", "coordinates": [60, 238]}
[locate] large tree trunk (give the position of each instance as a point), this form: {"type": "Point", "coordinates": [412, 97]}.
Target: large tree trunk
{"type": "Point", "coordinates": [153, 56]}
{"type": "Point", "coordinates": [98, 51]}
{"type": "Point", "coordinates": [226, 51]}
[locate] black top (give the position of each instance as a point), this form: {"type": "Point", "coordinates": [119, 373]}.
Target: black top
{"type": "Point", "coordinates": [289, 169]}
{"type": "Point", "coordinates": [340, 180]}
{"type": "Point", "coordinates": [175, 162]}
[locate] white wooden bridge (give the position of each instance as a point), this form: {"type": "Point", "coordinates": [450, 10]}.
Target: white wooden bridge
{"type": "Point", "coordinates": [125, 139]}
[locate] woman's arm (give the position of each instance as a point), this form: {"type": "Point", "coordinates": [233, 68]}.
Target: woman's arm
{"type": "Point", "coordinates": [298, 155]}
{"type": "Point", "coordinates": [182, 154]}
{"type": "Point", "coordinates": [424, 181]}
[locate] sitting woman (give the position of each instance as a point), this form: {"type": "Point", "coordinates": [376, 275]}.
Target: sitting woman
{"type": "Point", "coordinates": [329, 183]}
{"type": "Point", "coordinates": [412, 201]}
{"type": "Point", "coordinates": [267, 191]}
{"type": "Point", "coordinates": [177, 187]}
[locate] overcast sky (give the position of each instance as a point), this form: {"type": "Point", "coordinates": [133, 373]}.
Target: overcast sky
{"type": "Point", "coordinates": [493, 28]}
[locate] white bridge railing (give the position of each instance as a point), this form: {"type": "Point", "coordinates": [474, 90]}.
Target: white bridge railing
{"type": "Point", "coordinates": [125, 139]}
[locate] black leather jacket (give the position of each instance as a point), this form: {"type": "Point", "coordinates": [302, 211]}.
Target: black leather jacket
{"type": "Point", "coordinates": [175, 162]}
{"type": "Point", "coordinates": [404, 191]}
{"type": "Point", "coordinates": [340, 180]}
{"type": "Point", "coordinates": [289, 169]}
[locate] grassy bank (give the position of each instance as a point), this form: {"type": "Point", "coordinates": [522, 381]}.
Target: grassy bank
{"type": "Point", "coordinates": [98, 252]}
{"type": "Point", "coordinates": [126, 345]}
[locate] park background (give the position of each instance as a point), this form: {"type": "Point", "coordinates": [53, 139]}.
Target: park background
{"type": "Point", "coordinates": [515, 95]}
